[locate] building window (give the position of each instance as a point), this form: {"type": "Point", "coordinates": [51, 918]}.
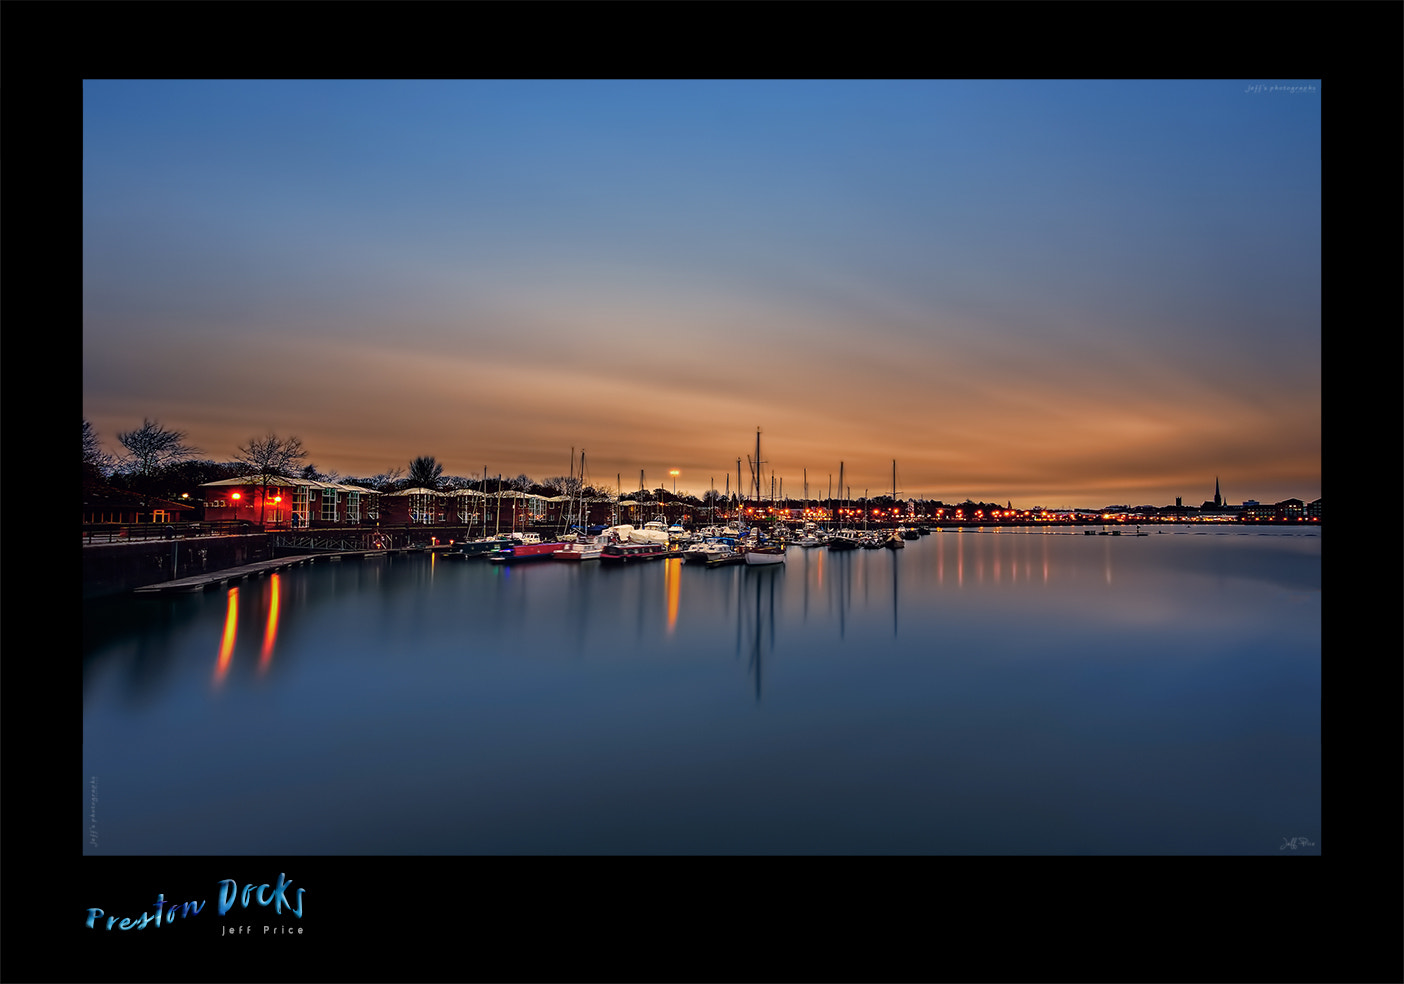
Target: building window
{"type": "Point", "coordinates": [328, 506]}
{"type": "Point", "coordinates": [353, 507]}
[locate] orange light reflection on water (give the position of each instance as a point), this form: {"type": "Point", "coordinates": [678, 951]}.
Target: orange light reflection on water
{"type": "Point", "coordinates": [672, 584]}
{"type": "Point", "coordinates": [231, 632]}
{"type": "Point", "coordinates": [270, 630]}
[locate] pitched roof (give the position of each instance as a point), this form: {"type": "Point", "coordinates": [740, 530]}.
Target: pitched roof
{"type": "Point", "coordinates": [278, 481]}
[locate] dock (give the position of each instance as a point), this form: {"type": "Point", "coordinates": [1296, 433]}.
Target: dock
{"type": "Point", "coordinates": [213, 579]}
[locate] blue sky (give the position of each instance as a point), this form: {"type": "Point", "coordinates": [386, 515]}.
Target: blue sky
{"type": "Point", "coordinates": [1057, 293]}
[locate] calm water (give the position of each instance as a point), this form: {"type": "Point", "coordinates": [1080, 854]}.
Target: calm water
{"type": "Point", "coordinates": [975, 692]}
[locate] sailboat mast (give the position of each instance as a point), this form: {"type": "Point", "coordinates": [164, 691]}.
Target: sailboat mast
{"type": "Point", "coordinates": [840, 480]}
{"type": "Point", "coordinates": [757, 472]}
{"type": "Point", "coordinates": [738, 491]}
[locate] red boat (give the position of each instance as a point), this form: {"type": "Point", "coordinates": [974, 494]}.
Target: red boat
{"type": "Point", "coordinates": [525, 551]}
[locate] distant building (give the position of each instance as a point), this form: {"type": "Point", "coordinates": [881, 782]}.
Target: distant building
{"type": "Point", "coordinates": [103, 504]}
{"type": "Point", "coordinates": [1290, 509]}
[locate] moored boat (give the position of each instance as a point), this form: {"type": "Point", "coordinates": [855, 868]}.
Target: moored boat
{"type": "Point", "coordinates": [765, 555]}
{"type": "Point", "coordinates": [525, 551]}
{"type": "Point", "coordinates": [624, 553]}
{"type": "Point", "coordinates": [708, 551]}
{"type": "Point", "coordinates": [653, 532]}
{"type": "Point", "coordinates": [477, 548]}
{"type": "Point", "coordinates": [585, 548]}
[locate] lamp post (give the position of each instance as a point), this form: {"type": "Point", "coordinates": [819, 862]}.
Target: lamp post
{"type": "Point", "coordinates": [674, 473]}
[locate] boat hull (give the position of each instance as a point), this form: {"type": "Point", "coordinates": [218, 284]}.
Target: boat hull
{"type": "Point", "coordinates": [477, 548]}
{"type": "Point", "coordinates": [525, 551]}
{"type": "Point", "coordinates": [578, 554]}
{"type": "Point", "coordinates": [632, 553]}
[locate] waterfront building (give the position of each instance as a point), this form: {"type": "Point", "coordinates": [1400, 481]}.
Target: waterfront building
{"type": "Point", "coordinates": [103, 504]}
{"type": "Point", "coordinates": [284, 503]}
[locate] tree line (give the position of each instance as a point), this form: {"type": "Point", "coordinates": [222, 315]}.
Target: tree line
{"type": "Point", "coordinates": [160, 461]}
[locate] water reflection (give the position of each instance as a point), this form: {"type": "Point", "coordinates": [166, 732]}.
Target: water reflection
{"type": "Point", "coordinates": [761, 631]}
{"type": "Point", "coordinates": [231, 634]}
{"type": "Point", "coordinates": [1088, 679]}
{"type": "Point", "coordinates": [672, 588]}
{"type": "Point", "coordinates": [270, 630]}
{"type": "Point", "coordinates": [893, 555]}
{"type": "Point", "coordinates": [269, 605]}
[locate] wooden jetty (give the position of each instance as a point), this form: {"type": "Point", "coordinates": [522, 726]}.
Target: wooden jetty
{"type": "Point", "coordinates": [213, 579]}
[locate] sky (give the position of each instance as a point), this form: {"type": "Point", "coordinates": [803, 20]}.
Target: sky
{"type": "Point", "coordinates": [1059, 294]}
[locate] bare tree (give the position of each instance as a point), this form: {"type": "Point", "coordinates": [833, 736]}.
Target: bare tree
{"type": "Point", "coordinates": [387, 481]}
{"type": "Point", "coordinates": [317, 475]}
{"type": "Point", "coordinates": [270, 457]}
{"type": "Point", "coordinates": [96, 462]}
{"type": "Point", "coordinates": [151, 447]}
{"type": "Point", "coordinates": [562, 485]}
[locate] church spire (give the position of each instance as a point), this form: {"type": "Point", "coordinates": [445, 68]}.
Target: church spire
{"type": "Point", "coordinates": [1218, 499]}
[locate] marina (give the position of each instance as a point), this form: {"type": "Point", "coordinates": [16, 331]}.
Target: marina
{"type": "Point", "coordinates": [1052, 349]}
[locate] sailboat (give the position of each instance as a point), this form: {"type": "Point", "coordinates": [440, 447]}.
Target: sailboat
{"type": "Point", "coordinates": [809, 534]}
{"type": "Point", "coordinates": [894, 541]}
{"type": "Point", "coordinates": [584, 546]}
{"type": "Point", "coordinates": [762, 554]}
{"type": "Point", "coordinates": [840, 541]}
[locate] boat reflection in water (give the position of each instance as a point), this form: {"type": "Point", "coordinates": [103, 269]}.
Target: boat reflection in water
{"type": "Point", "coordinates": [760, 632]}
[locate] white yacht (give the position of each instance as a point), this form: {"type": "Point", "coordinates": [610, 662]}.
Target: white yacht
{"type": "Point", "coordinates": [654, 531]}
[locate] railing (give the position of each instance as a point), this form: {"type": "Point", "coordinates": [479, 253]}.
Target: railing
{"type": "Point", "coordinates": [305, 541]}
{"type": "Point", "coordinates": [110, 532]}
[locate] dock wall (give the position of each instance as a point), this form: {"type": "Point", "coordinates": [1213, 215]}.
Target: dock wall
{"type": "Point", "coordinates": [116, 568]}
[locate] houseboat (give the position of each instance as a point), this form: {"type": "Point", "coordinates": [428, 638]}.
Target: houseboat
{"type": "Point", "coordinates": [627, 553]}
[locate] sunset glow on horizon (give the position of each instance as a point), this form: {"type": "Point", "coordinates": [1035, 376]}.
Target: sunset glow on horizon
{"type": "Point", "coordinates": [1055, 293]}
